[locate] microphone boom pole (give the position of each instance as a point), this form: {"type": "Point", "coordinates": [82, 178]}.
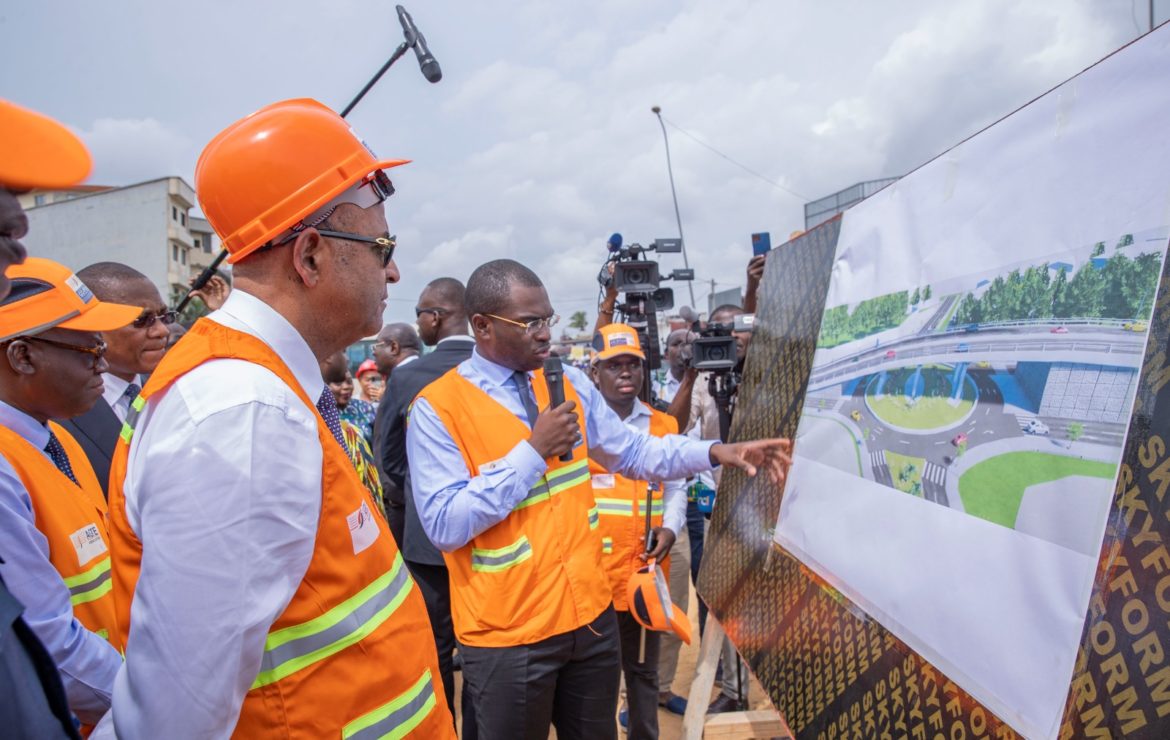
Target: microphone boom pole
{"type": "Point", "coordinates": [430, 70]}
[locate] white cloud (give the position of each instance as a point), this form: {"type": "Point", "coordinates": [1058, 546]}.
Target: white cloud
{"type": "Point", "coordinates": [129, 150]}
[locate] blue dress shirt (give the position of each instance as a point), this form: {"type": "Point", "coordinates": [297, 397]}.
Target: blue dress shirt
{"type": "Point", "coordinates": [455, 507]}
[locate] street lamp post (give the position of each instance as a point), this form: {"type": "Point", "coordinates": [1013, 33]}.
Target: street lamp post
{"type": "Point", "coordinates": [670, 173]}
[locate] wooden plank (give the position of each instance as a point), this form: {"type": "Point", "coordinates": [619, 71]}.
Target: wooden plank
{"type": "Point", "coordinates": [700, 694]}
{"type": "Point", "coordinates": [763, 723]}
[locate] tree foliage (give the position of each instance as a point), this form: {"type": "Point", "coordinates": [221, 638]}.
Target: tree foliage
{"type": "Point", "coordinates": [869, 317]}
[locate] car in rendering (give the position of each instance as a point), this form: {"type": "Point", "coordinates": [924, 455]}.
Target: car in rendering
{"type": "Point", "coordinates": [1035, 426]}
{"type": "Point", "coordinates": [855, 415]}
{"type": "Point", "coordinates": [1138, 326]}
{"type": "Point", "coordinates": [959, 439]}
{"type": "Point", "coordinates": [1058, 330]}
{"type": "Point", "coordinates": [984, 364]}
{"type": "Point", "coordinates": [963, 347]}
{"type": "Point", "coordinates": [891, 354]}
{"type": "Point", "coordinates": [971, 328]}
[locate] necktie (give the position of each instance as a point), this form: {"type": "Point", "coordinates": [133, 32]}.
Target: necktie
{"type": "Point", "coordinates": [520, 380]}
{"type": "Point", "coordinates": [129, 395]}
{"type": "Point", "coordinates": [60, 459]}
{"type": "Point", "coordinates": [327, 405]}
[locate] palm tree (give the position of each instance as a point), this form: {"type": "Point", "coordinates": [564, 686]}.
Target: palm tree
{"type": "Point", "coordinates": [578, 321]}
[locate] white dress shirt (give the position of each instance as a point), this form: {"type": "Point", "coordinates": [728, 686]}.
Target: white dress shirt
{"type": "Point", "coordinates": [674, 492]}
{"type": "Point", "coordinates": [88, 663]}
{"type": "Point", "coordinates": [223, 488]}
{"type": "Point", "coordinates": [114, 393]}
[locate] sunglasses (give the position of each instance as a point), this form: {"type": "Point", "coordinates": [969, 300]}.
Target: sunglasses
{"type": "Point", "coordinates": [147, 319]}
{"type": "Point", "coordinates": [385, 244]}
{"type": "Point", "coordinates": [436, 311]}
{"type": "Point", "coordinates": [97, 352]}
{"type": "Point", "coordinates": [371, 191]}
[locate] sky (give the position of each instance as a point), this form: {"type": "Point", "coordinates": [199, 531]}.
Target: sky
{"type": "Point", "coordinates": [539, 142]}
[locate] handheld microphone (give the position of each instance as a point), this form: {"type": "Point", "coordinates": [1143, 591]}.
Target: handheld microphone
{"type": "Point", "coordinates": [554, 378]}
{"type": "Point", "coordinates": [615, 242]}
{"type": "Point", "coordinates": [415, 40]}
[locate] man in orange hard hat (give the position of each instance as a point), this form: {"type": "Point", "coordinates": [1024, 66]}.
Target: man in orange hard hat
{"type": "Point", "coordinates": [35, 151]}
{"type": "Point", "coordinates": [262, 594]}
{"type": "Point", "coordinates": [52, 511]}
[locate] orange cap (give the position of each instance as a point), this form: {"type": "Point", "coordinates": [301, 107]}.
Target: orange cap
{"type": "Point", "coordinates": [46, 294]}
{"type": "Point", "coordinates": [612, 340]}
{"type": "Point", "coordinates": [651, 606]}
{"type": "Point", "coordinates": [38, 152]}
{"type": "Point", "coordinates": [267, 171]}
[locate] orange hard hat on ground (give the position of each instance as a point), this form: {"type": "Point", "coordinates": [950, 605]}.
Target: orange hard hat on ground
{"type": "Point", "coordinates": [265, 173]}
{"type": "Point", "coordinates": [38, 152]}
{"type": "Point", "coordinates": [612, 340]}
{"type": "Point", "coordinates": [649, 599]}
{"type": "Point", "coordinates": [46, 294]}
{"type": "Point", "coordinates": [369, 366]}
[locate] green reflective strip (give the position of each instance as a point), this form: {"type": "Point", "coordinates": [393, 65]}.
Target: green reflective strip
{"type": "Point", "coordinates": [492, 561]}
{"type": "Point", "coordinates": [138, 403]}
{"type": "Point", "coordinates": [594, 519]}
{"type": "Point", "coordinates": [104, 634]}
{"type": "Point", "coordinates": [656, 506]}
{"type": "Point", "coordinates": [398, 718]}
{"type": "Point", "coordinates": [555, 482]}
{"type": "Point", "coordinates": [571, 470]}
{"type": "Point", "coordinates": [607, 544]}
{"type": "Point", "coordinates": [290, 649]}
{"type": "Point", "coordinates": [536, 494]}
{"type": "Point", "coordinates": [582, 477]}
{"type": "Point", "coordinates": [126, 433]}
{"type": "Point", "coordinates": [90, 574]}
{"type": "Point", "coordinates": [136, 407]}
{"type": "Point", "coordinates": [614, 506]}
{"type": "Point", "coordinates": [94, 593]}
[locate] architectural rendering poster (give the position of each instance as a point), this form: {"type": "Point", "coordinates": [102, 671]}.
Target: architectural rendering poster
{"type": "Point", "coordinates": [969, 414]}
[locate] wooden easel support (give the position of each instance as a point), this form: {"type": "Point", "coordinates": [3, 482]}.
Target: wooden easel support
{"type": "Point", "coordinates": [730, 725]}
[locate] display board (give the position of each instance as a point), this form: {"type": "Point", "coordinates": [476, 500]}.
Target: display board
{"type": "Point", "coordinates": [970, 363]}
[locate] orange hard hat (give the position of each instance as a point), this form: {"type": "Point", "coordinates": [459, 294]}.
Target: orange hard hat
{"type": "Point", "coordinates": [38, 152]}
{"type": "Point", "coordinates": [650, 603]}
{"type": "Point", "coordinates": [266, 172]}
{"type": "Point", "coordinates": [46, 294]}
{"type": "Point", "coordinates": [616, 339]}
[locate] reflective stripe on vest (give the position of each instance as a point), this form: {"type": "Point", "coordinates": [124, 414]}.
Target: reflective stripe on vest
{"type": "Point", "coordinates": [492, 561]}
{"type": "Point", "coordinates": [132, 415]}
{"type": "Point", "coordinates": [607, 545]}
{"type": "Point", "coordinates": [90, 584]}
{"type": "Point", "coordinates": [558, 480]}
{"type": "Point", "coordinates": [397, 718]}
{"type": "Point", "coordinates": [615, 506]}
{"type": "Point", "coordinates": [594, 519]}
{"type": "Point", "coordinates": [290, 649]}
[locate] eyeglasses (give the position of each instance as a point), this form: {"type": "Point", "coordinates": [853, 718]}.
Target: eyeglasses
{"type": "Point", "coordinates": [530, 327]}
{"type": "Point", "coordinates": [371, 191]}
{"type": "Point", "coordinates": [97, 352]}
{"type": "Point", "coordinates": [385, 244]}
{"type": "Point", "coordinates": [436, 311]}
{"type": "Point", "coordinates": [147, 319]}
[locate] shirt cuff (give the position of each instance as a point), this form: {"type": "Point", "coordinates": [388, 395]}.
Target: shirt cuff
{"type": "Point", "coordinates": [527, 463]}
{"type": "Point", "coordinates": [698, 455]}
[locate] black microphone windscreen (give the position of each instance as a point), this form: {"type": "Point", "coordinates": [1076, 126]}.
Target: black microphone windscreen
{"type": "Point", "coordinates": [688, 314]}
{"type": "Point", "coordinates": [431, 71]}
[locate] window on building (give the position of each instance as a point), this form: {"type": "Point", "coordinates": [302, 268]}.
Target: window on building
{"type": "Point", "coordinates": [182, 256]}
{"type": "Point", "coordinates": [183, 218]}
{"type": "Point", "coordinates": [198, 243]}
{"type": "Point", "coordinates": [175, 252]}
{"type": "Point", "coordinates": [174, 213]}
{"type": "Point", "coordinates": [39, 199]}
{"type": "Point", "coordinates": [207, 245]}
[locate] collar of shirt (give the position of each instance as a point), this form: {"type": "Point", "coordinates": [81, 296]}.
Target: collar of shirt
{"type": "Point", "coordinates": [639, 417]}
{"type": "Point", "coordinates": [493, 373]}
{"type": "Point", "coordinates": [407, 360]}
{"type": "Point", "coordinates": [245, 312]}
{"type": "Point", "coordinates": [32, 430]}
{"type": "Point", "coordinates": [115, 387]}
{"type": "Point", "coordinates": [455, 338]}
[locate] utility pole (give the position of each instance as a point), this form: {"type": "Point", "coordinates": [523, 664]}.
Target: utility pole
{"type": "Point", "coordinates": [670, 173]}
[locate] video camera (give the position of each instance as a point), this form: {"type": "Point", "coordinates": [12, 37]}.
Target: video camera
{"type": "Point", "coordinates": [714, 349]}
{"type": "Point", "coordinates": [639, 278]}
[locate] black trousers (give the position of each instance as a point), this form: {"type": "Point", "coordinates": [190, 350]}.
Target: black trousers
{"type": "Point", "coordinates": [641, 678]}
{"type": "Point", "coordinates": [568, 680]}
{"type": "Point", "coordinates": [435, 585]}
{"type": "Point", "coordinates": [696, 522]}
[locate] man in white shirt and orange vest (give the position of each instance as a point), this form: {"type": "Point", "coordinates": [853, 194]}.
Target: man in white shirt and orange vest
{"type": "Point", "coordinates": [52, 511]}
{"type": "Point", "coordinates": [617, 369]}
{"type": "Point", "coordinates": [531, 603]}
{"type": "Point", "coordinates": [263, 595]}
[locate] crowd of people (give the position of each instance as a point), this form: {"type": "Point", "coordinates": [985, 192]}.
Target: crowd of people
{"type": "Point", "coordinates": [226, 530]}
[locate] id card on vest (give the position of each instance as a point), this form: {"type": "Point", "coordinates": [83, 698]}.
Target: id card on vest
{"type": "Point", "coordinates": [88, 543]}
{"type": "Point", "coordinates": [603, 480]}
{"type": "Point", "coordinates": [363, 530]}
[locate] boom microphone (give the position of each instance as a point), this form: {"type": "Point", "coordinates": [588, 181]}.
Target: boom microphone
{"type": "Point", "coordinates": [554, 378]}
{"type": "Point", "coordinates": [688, 314]}
{"type": "Point", "coordinates": [415, 40]}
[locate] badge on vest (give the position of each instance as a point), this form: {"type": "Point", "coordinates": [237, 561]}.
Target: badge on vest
{"type": "Point", "coordinates": [363, 529]}
{"type": "Point", "coordinates": [603, 480]}
{"type": "Point", "coordinates": [88, 543]}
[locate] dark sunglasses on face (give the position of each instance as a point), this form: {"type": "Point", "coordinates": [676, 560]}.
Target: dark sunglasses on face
{"type": "Point", "coordinates": [97, 351]}
{"type": "Point", "coordinates": [147, 319]}
{"type": "Point", "coordinates": [436, 311]}
{"type": "Point", "coordinates": [385, 244]}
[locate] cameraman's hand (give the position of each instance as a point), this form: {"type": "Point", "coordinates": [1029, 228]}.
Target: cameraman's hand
{"type": "Point", "coordinates": [611, 289]}
{"type": "Point", "coordinates": [755, 269]}
{"type": "Point", "coordinates": [214, 294]}
{"type": "Point", "coordinates": [774, 456]}
{"type": "Point", "coordinates": [555, 431]}
{"type": "Point", "coordinates": [663, 539]}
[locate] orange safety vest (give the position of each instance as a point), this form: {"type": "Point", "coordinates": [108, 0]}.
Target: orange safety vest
{"type": "Point", "coordinates": [538, 572]}
{"type": "Point", "coordinates": [621, 505]}
{"type": "Point", "coordinates": [73, 520]}
{"type": "Point", "coordinates": [353, 653]}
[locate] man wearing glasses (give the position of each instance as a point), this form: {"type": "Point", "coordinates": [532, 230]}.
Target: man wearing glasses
{"type": "Point", "coordinates": [261, 594]}
{"type": "Point", "coordinates": [133, 352]}
{"type": "Point", "coordinates": [502, 485]}
{"type": "Point", "coordinates": [397, 344]}
{"type": "Point", "coordinates": [52, 512]}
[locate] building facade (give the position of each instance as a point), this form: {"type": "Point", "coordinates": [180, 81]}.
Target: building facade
{"type": "Point", "coordinates": [822, 209]}
{"type": "Point", "coordinates": [147, 226]}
